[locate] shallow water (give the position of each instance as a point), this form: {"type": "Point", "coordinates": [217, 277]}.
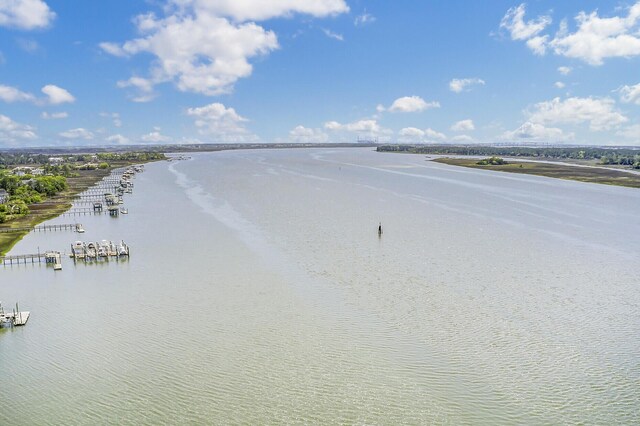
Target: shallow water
{"type": "Point", "coordinates": [258, 291]}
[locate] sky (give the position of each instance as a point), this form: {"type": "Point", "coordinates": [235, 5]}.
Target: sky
{"type": "Point", "coordinates": [123, 72]}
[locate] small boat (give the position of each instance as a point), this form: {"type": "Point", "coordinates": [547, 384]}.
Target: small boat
{"type": "Point", "coordinates": [91, 250]}
{"type": "Point", "coordinates": [123, 250]}
{"type": "Point", "coordinates": [124, 211]}
{"type": "Point", "coordinates": [79, 229]}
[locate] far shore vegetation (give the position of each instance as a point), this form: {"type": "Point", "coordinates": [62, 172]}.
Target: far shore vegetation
{"type": "Point", "coordinates": [608, 166]}
{"type": "Point", "coordinates": [616, 157]}
{"type": "Point", "coordinates": [554, 170]}
{"type": "Point", "coordinates": [38, 187]}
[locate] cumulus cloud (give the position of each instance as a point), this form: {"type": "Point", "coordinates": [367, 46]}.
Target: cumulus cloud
{"type": "Point", "coordinates": [260, 10]}
{"type": "Point", "coordinates": [412, 104]}
{"type": "Point", "coordinates": [222, 123]}
{"type": "Point", "coordinates": [54, 95]}
{"type": "Point", "coordinates": [598, 38]}
{"type": "Point", "coordinates": [463, 126]}
{"type": "Point", "coordinates": [143, 89]}
{"type": "Point", "coordinates": [599, 113]}
{"type": "Point", "coordinates": [365, 128]}
{"type": "Point", "coordinates": [10, 131]}
{"type": "Point", "coordinates": [513, 21]}
{"type": "Point", "coordinates": [630, 94]}
{"type": "Point", "coordinates": [205, 47]}
{"type": "Point", "coordinates": [301, 134]}
{"type": "Point", "coordinates": [536, 132]}
{"type": "Point", "coordinates": [413, 134]}
{"type": "Point", "coordinates": [458, 85]}
{"type": "Point", "coordinates": [559, 84]}
{"type": "Point", "coordinates": [595, 38]}
{"type": "Point", "coordinates": [54, 115]}
{"type": "Point", "coordinates": [11, 94]}
{"type": "Point", "coordinates": [25, 14]}
{"type": "Point", "coordinates": [564, 70]}
{"type": "Point", "coordinates": [630, 132]}
{"type": "Point", "coordinates": [117, 139]}
{"type": "Point", "coordinates": [78, 133]}
{"type": "Point", "coordinates": [57, 95]}
{"type": "Point", "coordinates": [155, 137]}
{"type": "Point", "coordinates": [364, 19]}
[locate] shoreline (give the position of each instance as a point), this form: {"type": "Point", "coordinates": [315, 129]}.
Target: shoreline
{"type": "Point", "coordinates": [555, 170]}
{"type": "Point", "coordinates": [57, 205]}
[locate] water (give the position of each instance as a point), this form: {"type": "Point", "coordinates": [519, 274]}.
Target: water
{"type": "Point", "coordinates": [258, 292]}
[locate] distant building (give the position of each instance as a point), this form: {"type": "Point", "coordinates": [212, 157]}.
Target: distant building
{"type": "Point", "coordinates": [4, 196]}
{"type": "Point", "coordinates": [54, 161]}
{"type": "Point", "coordinates": [25, 170]}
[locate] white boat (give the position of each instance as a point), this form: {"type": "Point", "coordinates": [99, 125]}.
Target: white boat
{"type": "Point", "coordinates": [123, 250]}
{"type": "Point", "coordinates": [124, 211]}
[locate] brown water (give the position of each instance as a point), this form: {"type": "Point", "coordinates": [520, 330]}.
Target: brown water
{"type": "Point", "coordinates": [259, 292]}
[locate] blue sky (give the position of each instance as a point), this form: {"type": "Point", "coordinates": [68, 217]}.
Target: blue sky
{"type": "Point", "coordinates": [204, 71]}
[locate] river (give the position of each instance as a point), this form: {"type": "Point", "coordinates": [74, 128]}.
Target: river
{"type": "Point", "coordinates": [259, 292]}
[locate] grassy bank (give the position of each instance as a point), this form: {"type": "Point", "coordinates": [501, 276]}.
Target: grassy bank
{"type": "Point", "coordinates": [54, 206]}
{"type": "Point", "coordinates": [600, 175]}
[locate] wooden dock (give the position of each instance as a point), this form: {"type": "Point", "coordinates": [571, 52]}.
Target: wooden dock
{"type": "Point", "coordinates": [13, 318]}
{"type": "Point", "coordinates": [43, 228]}
{"type": "Point", "coordinates": [49, 257]}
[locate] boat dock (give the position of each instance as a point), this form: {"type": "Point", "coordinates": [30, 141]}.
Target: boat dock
{"type": "Point", "coordinates": [13, 318]}
{"type": "Point", "coordinates": [49, 257]}
{"type": "Point", "coordinates": [103, 250]}
{"type": "Point", "coordinates": [45, 228]}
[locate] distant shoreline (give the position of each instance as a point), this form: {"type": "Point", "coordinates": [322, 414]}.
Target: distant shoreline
{"type": "Point", "coordinates": [581, 173]}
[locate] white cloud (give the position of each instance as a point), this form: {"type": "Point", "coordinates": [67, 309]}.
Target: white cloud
{"type": "Point", "coordinates": [143, 87]}
{"type": "Point", "coordinates": [463, 126]}
{"type": "Point", "coordinates": [630, 94]}
{"type": "Point", "coordinates": [155, 137]}
{"type": "Point", "coordinates": [599, 113]}
{"type": "Point", "coordinates": [78, 133]}
{"type": "Point", "coordinates": [25, 14]}
{"type": "Point", "coordinates": [205, 47]}
{"type": "Point", "coordinates": [365, 128]}
{"type": "Point", "coordinates": [10, 131]}
{"type": "Point", "coordinates": [260, 10]}
{"type": "Point", "coordinates": [118, 139]}
{"type": "Point", "coordinates": [412, 104]}
{"type": "Point", "coordinates": [54, 115]}
{"type": "Point", "coordinates": [458, 85]}
{"type": "Point", "coordinates": [595, 39]}
{"type": "Point", "coordinates": [564, 70]}
{"type": "Point", "coordinates": [364, 19]}
{"type": "Point", "coordinates": [513, 21]}
{"type": "Point", "coordinates": [537, 132]}
{"type": "Point", "coordinates": [538, 45]}
{"type": "Point", "coordinates": [333, 35]}
{"type": "Point", "coordinates": [301, 134]}
{"type": "Point", "coordinates": [630, 132]}
{"type": "Point", "coordinates": [222, 123]}
{"type": "Point", "coordinates": [11, 94]}
{"type": "Point", "coordinates": [599, 38]}
{"type": "Point", "coordinates": [559, 84]}
{"type": "Point", "coordinates": [413, 134]}
{"type": "Point", "coordinates": [57, 95]}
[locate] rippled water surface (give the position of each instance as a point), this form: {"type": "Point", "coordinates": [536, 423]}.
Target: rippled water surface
{"type": "Point", "coordinates": [259, 292]}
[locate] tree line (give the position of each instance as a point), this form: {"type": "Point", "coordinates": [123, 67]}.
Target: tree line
{"type": "Point", "coordinates": [610, 156]}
